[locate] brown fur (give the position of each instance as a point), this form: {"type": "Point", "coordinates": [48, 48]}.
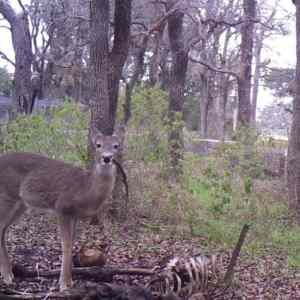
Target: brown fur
{"type": "Point", "coordinates": [29, 180]}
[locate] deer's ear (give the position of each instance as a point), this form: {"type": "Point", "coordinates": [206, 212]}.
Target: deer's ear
{"type": "Point", "coordinates": [94, 133]}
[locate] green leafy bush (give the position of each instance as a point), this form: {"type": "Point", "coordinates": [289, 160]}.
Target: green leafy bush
{"type": "Point", "coordinates": [6, 82]}
{"type": "Point", "coordinates": [147, 140]}
{"type": "Point", "coordinates": [60, 133]}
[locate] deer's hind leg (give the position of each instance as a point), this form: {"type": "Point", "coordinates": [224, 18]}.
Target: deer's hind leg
{"type": "Point", "coordinates": [10, 211]}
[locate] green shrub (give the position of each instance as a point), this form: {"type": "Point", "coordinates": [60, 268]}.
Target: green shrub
{"type": "Point", "coordinates": [147, 140]}
{"type": "Point", "coordinates": [60, 134]}
{"type": "Point", "coordinates": [6, 82]}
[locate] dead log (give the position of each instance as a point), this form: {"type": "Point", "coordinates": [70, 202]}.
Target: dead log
{"type": "Point", "coordinates": [104, 274]}
{"type": "Point", "coordinates": [90, 292]}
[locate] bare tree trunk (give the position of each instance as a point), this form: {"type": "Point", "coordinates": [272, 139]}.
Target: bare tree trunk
{"type": "Point", "coordinates": [203, 126]}
{"type": "Point", "coordinates": [156, 57]}
{"type": "Point", "coordinates": [118, 56]}
{"type": "Point", "coordinates": [165, 72]}
{"type": "Point", "coordinates": [244, 79]}
{"type": "Point", "coordinates": [293, 160]}
{"type": "Point", "coordinates": [107, 66]}
{"type": "Point", "coordinates": [223, 91]}
{"type": "Point", "coordinates": [221, 106]}
{"type": "Point", "coordinates": [106, 69]}
{"type": "Point", "coordinates": [21, 39]}
{"type": "Point", "coordinates": [205, 102]}
{"type": "Point", "coordinates": [138, 65]}
{"type": "Point", "coordinates": [99, 66]}
{"type": "Point", "coordinates": [78, 66]}
{"type": "Point", "coordinates": [176, 89]}
{"type": "Point", "coordinates": [119, 53]}
{"type": "Point", "coordinates": [256, 77]}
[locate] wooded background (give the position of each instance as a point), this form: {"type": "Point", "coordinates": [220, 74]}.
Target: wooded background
{"type": "Point", "coordinates": [180, 76]}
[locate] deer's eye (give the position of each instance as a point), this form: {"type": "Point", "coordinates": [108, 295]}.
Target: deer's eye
{"type": "Point", "coordinates": [98, 145]}
{"type": "Point", "coordinates": [116, 146]}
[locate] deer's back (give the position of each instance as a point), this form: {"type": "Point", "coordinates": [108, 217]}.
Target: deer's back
{"type": "Point", "coordinates": [14, 167]}
{"type": "Point", "coordinates": [46, 175]}
{"type": "Point", "coordinates": [53, 184]}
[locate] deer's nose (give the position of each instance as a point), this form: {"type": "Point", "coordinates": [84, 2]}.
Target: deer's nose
{"type": "Point", "coordinates": [107, 158]}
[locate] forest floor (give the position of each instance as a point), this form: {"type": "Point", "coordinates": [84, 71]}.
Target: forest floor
{"type": "Point", "coordinates": [34, 243]}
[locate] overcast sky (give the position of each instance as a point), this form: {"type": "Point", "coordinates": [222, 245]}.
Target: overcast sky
{"type": "Point", "coordinates": [281, 51]}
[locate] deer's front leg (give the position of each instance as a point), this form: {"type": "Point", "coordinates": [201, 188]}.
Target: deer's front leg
{"type": "Point", "coordinates": [67, 231]}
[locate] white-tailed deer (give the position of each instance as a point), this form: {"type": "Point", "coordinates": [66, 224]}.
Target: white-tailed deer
{"type": "Point", "coordinates": [33, 181]}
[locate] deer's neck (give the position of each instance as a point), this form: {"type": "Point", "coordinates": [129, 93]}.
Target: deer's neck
{"type": "Point", "coordinates": [102, 179]}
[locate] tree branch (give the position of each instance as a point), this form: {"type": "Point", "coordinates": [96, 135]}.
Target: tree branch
{"type": "Point", "coordinates": [5, 27]}
{"type": "Point", "coordinates": [235, 254]}
{"type": "Point", "coordinates": [212, 68]}
{"type": "Point", "coordinates": [159, 23]}
{"type": "Point", "coordinates": [140, 24]}
{"type": "Point", "coordinates": [22, 6]}
{"type": "Point", "coordinates": [5, 57]}
{"type": "Point", "coordinates": [7, 12]}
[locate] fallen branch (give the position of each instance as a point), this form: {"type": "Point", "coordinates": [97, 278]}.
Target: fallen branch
{"type": "Point", "coordinates": [102, 274]}
{"type": "Point", "coordinates": [228, 277]}
{"type": "Point", "coordinates": [235, 255]}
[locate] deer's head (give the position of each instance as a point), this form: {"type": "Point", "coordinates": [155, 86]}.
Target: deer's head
{"type": "Point", "coordinates": [106, 147]}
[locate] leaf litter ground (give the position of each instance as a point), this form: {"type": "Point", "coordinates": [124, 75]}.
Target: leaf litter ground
{"type": "Point", "coordinates": [34, 243]}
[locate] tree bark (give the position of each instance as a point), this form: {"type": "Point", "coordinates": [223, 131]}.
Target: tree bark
{"type": "Point", "coordinates": [223, 90]}
{"type": "Point", "coordinates": [244, 79]}
{"type": "Point", "coordinates": [205, 103]}
{"type": "Point", "coordinates": [21, 40]}
{"type": "Point", "coordinates": [176, 89]}
{"type": "Point", "coordinates": [293, 159]}
{"type": "Point", "coordinates": [257, 55]}
{"type": "Point", "coordinates": [165, 72]}
{"type": "Point", "coordinates": [221, 106]}
{"type": "Point", "coordinates": [119, 53]}
{"type": "Point", "coordinates": [99, 65]}
{"type": "Point", "coordinates": [138, 66]}
{"type": "Point", "coordinates": [156, 57]}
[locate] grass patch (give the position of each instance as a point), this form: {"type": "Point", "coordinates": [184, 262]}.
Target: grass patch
{"type": "Point", "coordinates": [225, 205]}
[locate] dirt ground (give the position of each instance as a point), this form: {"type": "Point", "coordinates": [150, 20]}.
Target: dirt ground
{"type": "Point", "coordinates": [34, 243]}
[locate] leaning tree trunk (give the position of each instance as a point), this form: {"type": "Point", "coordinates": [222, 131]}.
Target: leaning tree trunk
{"type": "Point", "coordinates": [244, 79]}
{"type": "Point", "coordinates": [176, 90]}
{"type": "Point", "coordinates": [21, 40]}
{"type": "Point", "coordinates": [293, 160]}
